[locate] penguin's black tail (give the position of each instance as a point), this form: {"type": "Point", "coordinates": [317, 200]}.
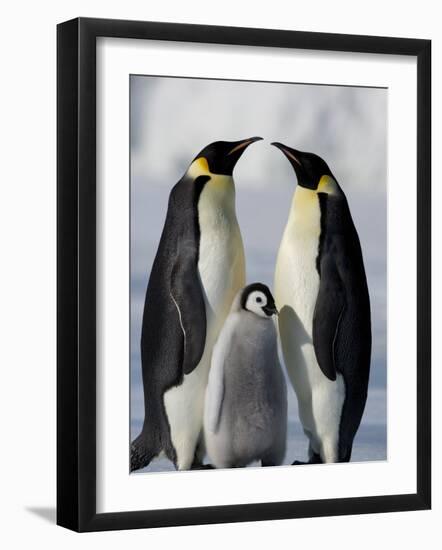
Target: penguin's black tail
{"type": "Point", "coordinates": [140, 454]}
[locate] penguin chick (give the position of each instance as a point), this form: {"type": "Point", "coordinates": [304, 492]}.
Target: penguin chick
{"type": "Point", "coordinates": [245, 417]}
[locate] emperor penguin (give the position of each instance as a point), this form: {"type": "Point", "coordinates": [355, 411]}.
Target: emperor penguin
{"type": "Point", "coordinates": [245, 417]}
{"type": "Point", "coordinates": [198, 269]}
{"type": "Point", "coordinates": [324, 322]}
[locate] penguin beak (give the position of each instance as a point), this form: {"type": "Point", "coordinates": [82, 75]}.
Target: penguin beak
{"type": "Point", "coordinates": [233, 154]}
{"type": "Point", "coordinates": [295, 158]}
{"type": "Point", "coordinates": [270, 310]}
{"type": "Point", "coordinates": [292, 154]}
{"type": "Point", "coordinates": [241, 145]}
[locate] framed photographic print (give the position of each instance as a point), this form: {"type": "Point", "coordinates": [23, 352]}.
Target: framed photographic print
{"type": "Point", "coordinates": [243, 274]}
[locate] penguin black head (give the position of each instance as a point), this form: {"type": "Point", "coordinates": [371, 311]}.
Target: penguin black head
{"type": "Point", "coordinates": [221, 156]}
{"type": "Point", "coordinates": [258, 299]}
{"type": "Point", "coordinates": [309, 168]}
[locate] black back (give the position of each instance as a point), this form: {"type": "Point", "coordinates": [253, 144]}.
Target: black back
{"type": "Point", "coordinates": [342, 320]}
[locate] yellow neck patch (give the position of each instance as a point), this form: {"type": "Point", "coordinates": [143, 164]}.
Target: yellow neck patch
{"type": "Point", "coordinates": [199, 167]}
{"type": "Point", "coordinates": [326, 185]}
{"type": "Point", "coordinates": [305, 212]}
{"type": "Point", "coordinates": [219, 190]}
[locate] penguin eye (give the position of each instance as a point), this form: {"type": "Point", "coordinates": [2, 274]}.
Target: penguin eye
{"type": "Point", "coordinates": [259, 300]}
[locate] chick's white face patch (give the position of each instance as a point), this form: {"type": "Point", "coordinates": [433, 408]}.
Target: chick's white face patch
{"type": "Point", "coordinates": [256, 300]}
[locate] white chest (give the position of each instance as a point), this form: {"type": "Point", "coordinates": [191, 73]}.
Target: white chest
{"type": "Point", "coordinates": [296, 276]}
{"type": "Point", "coordinates": [221, 262]}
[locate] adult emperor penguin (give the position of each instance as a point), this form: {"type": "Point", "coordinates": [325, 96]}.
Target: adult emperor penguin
{"type": "Point", "coordinates": [198, 269]}
{"type": "Point", "coordinates": [245, 416]}
{"type": "Point", "coordinates": [324, 322]}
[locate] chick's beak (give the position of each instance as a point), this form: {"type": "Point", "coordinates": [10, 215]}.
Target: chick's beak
{"type": "Point", "coordinates": [270, 310]}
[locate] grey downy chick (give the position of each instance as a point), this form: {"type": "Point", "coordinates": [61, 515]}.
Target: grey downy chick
{"type": "Point", "coordinates": [245, 417]}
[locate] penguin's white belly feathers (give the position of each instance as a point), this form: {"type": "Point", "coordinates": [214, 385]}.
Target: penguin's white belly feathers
{"type": "Point", "coordinates": [221, 264]}
{"type": "Point", "coordinates": [221, 269]}
{"type": "Point", "coordinates": [320, 400]}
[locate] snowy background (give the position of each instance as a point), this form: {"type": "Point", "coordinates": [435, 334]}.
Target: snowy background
{"type": "Point", "coordinates": [172, 119]}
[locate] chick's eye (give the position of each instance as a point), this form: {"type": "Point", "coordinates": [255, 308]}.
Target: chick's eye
{"type": "Point", "coordinates": [259, 300]}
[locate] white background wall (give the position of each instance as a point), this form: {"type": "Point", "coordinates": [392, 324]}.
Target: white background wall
{"type": "Point", "coordinates": [27, 273]}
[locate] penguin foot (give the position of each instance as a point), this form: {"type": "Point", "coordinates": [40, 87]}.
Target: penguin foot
{"type": "Point", "coordinates": [314, 459]}
{"type": "Point", "coordinates": [203, 467]}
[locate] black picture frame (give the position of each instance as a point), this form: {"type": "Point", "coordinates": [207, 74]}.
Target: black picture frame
{"type": "Point", "coordinates": [76, 273]}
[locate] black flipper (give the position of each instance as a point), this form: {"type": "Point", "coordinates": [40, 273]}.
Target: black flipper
{"type": "Point", "coordinates": [188, 298]}
{"type": "Point", "coordinates": [329, 309]}
{"type": "Point", "coordinates": [185, 285]}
